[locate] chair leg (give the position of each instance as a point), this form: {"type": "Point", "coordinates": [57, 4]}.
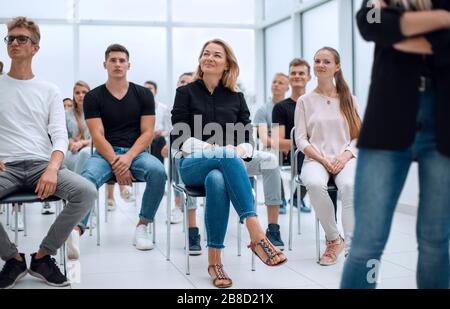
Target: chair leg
{"type": "Point", "coordinates": [97, 204]}
{"type": "Point", "coordinates": [24, 220]}
{"type": "Point", "coordinates": [106, 203]}
{"type": "Point", "coordinates": [291, 215]}
{"type": "Point", "coordinates": [299, 194]}
{"type": "Point", "coordinates": [317, 240]}
{"type": "Point", "coordinates": [154, 231]}
{"type": "Point", "coordinates": [16, 220]}
{"type": "Point", "coordinates": [255, 204]}
{"type": "Point", "coordinates": [168, 209]}
{"type": "Point", "coordinates": [7, 215]}
{"type": "Point", "coordinates": [186, 234]}
{"type": "Point", "coordinates": [135, 190]}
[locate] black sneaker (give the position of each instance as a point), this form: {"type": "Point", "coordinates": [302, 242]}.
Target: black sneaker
{"type": "Point", "coordinates": [194, 241]}
{"type": "Point", "coordinates": [47, 270]}
{"type": "Point", "coordinates": [12, 271]}
{"type": "Point", "coordinates": [273, 234]}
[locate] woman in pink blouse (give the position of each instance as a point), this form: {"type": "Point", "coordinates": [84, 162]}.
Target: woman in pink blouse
{"type": "Point", "coordinates": [327, 126]}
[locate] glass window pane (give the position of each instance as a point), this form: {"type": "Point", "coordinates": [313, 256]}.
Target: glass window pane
{"type": "Point", "coordinates": [278, 51]}
{"type": "Point", "coordinates": [54, 60]}
{"type": "Point", "coordinates": [363, 64]}
{"type": "Point", "coordinates": [147, 47]}
{"type": "Point", "coordinates": [187, 44]}
{"type": "Point", "coordinates": [320, 28]}
{"type": "Point", "coordinates": [124, 10]}
{"type": "Point", "coordinates": [278, 8]}
{"type": "Point", "coordinates": [61, 9]}
{"type": "Point", "coordinates": [217, 11]}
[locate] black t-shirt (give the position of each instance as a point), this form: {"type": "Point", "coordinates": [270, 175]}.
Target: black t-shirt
{"type": "Point", "coordinates": [121, 118]}
{"type": "Point", "coordinates": [283, 114]}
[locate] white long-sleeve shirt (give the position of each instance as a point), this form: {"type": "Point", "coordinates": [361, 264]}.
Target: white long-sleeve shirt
{"type": "Point", "coordinates": [319, 123]}
{"type": "Point", "coordinates": [32, 120]}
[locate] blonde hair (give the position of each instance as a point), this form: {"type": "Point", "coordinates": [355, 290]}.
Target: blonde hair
{"type": "Point", "coordinates": [30, 25]}
{"type": "Point", "coordinates": [413, 5]}
{"type": "Point", "coordinates": [77, 110]}
{"type": "Point", "coordinates": [347, 106]}
{"type": "Point", "coordinates": [230, 75]}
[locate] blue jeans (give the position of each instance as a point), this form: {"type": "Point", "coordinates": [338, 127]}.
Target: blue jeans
{"type": "Point", "coordinates": [225, 178]}
{"type": "Point", "coordinates": [145, 168]}
{"type": "Point", "coordinates": [380, 177]}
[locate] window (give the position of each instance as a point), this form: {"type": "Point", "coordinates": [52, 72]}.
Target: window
{"type": "Point", "coordinates": [217, 11]}
{"type": "Point", "coordinates": [320, 28]}
{"type": "Point", "coordinates": [60, 9]}
{"type": "Point", "coordinates": [147, 47]}
{"type": "Point", "coordinates": [123, 10]}
{"type": "Point", "coordinates": [278, 51]}
{"type": "Point", "coordinates": [54, 61]}
{"type": "Point", "coordinates": [363, 64]}
{"type": "Point", "coordinates": [188, 42]}
{"type": "Point", "coordinates": [278, 8]}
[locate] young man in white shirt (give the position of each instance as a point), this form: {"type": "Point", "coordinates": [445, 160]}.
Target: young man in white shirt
{"type": "Point", "coordinates": [33, 141]}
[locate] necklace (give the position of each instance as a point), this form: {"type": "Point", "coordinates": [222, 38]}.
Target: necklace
{"type": "Point", "coordinates": [328, 97]}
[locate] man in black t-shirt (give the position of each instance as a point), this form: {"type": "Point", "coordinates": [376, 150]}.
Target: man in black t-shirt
{"type": "Point", "coordinates": [283, 113]}
{"type": "Point", "coordinates": [120, 116]}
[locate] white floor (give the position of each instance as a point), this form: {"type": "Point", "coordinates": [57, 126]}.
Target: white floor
{"type": "Point", "coordinates": [117, 264]}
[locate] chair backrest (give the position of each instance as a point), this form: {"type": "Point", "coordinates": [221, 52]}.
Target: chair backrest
{"type": "Point", "coordinates": [297, 157]}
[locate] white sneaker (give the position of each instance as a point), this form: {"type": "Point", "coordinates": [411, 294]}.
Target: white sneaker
{"type": "Point", "coordinates": [47, 209]}
{"type": "Point", "coordinates": [73, 245]}
{"type": "Point", "coordinates": [176, 215]}
{"type": "Point", "coordinates": [111, 206]}
{"type": "Point", "coordinates": [20, 225]}
{"type": "Point", "coordinates": [127, 195]}
{"type": "Point", "coordinates": [142, 239]}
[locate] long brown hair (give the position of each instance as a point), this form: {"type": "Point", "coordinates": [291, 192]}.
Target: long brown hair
{"type": "Point", "coordinates": [348, 108]}
{"type": "Point", "coordinates": [229, 77]}
{"type": "Point", "coordinates": [77, 110]}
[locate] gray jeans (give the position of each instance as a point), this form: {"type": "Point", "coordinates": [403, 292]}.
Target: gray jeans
{"type": "Point", "coordinates": [79, 193]}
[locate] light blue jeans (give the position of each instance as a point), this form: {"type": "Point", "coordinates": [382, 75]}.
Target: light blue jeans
{"type": "Point", "coordinates": [225, 178]}
{"type": "Point", "coordinates": [75, 161]}
{"type": "Point", "coordinates": [145, 168]}
{"type": "Point", "coordinates": [380, 176]}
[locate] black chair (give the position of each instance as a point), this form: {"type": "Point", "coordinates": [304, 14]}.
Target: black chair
{"type": "Point", "coordinates": [19, 199]}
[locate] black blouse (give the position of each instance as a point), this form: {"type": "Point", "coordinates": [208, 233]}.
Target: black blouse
{"type": "Point", "coordinates": [218, 109]}
{"type": "Point", "coordinates": [390, 118]}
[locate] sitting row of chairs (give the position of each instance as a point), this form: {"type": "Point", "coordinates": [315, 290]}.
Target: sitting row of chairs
{"type": "Point", "coordinates": [18, 199]}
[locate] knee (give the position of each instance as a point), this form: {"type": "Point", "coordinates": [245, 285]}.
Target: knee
{"type": "Point", "coordinates": [85, 153]}
{"type": "Point", "coordinates": [90, 176]}
{"type": "Point", "coordinates": [156, 172]}
{"type": "Point", "coordinates": [90, 192]}
{"type": "Point", "coordinates": [215, 178]}
{"type": "Point", "coordinates": [317, 186]}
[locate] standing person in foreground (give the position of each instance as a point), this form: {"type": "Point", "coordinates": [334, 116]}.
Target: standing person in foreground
{"type": "Point", "coordinates": [410, 79]}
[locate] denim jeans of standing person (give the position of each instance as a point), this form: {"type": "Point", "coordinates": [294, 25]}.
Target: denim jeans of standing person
{"type": "Point", "coordinates": [145, 168]}
{"type": "Point", "coordinates": [380, 177]}
{"type": "Point", "coordinates": [224, 176]}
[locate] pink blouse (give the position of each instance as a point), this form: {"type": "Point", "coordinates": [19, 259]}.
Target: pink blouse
{"type": "Point", "coordinates": [319, 123]}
